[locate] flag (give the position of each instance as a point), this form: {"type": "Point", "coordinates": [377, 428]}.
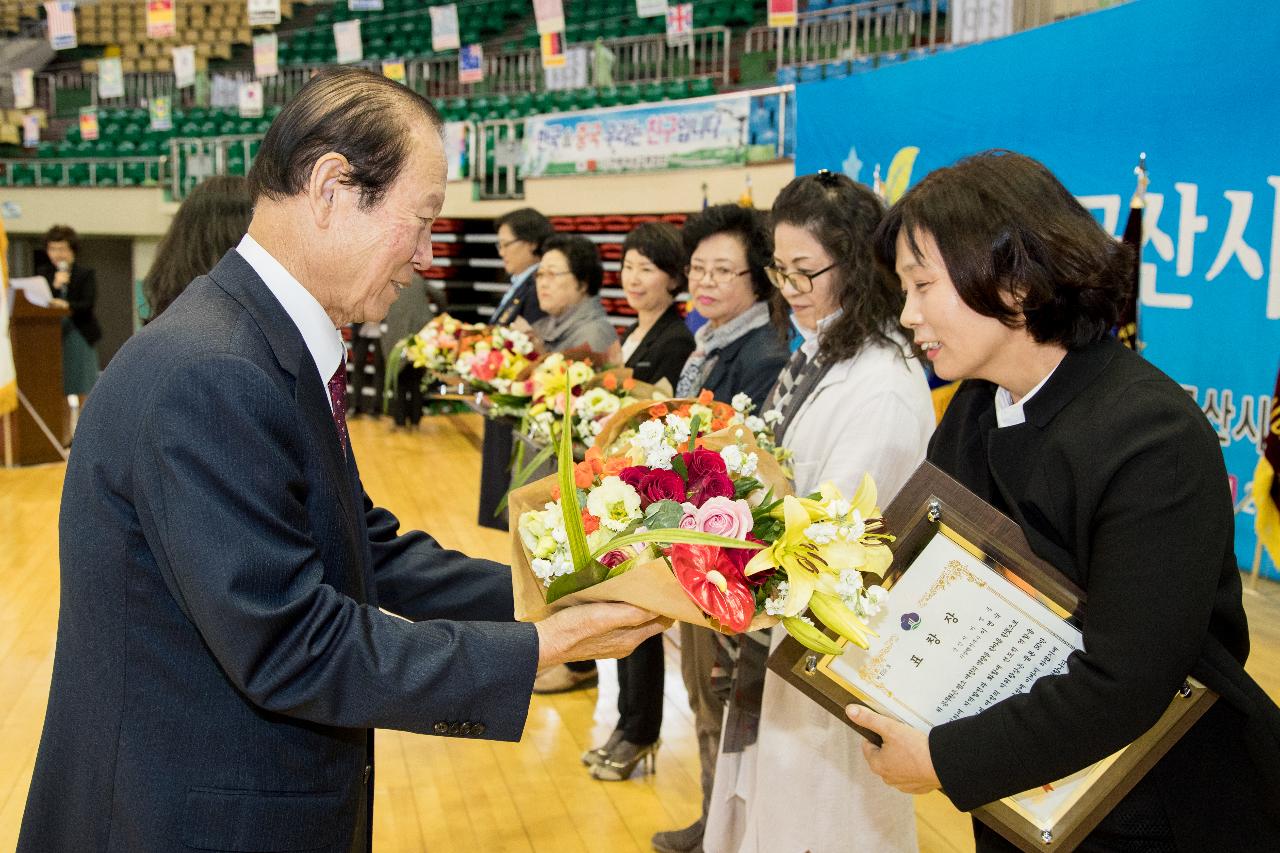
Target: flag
{"type": "Point", "coordinates": [782, 13]}
{"type": "Point", "coordinates": [88, 123]}
{"type": "Point", "coordinates": [160, 19]}
{"type": "Point", "coordinates": [364, 5]}
{"type": "Point", "coordinates": [250, 99]}
{"type": "Point", "coordinates": [746, 199]}
{"type": "Point", "coordinates": [552, 50]}
{"type": "Point", "coordinates": [1127, 331]}
{"type": "Point", "coordinates": [30, 130]}
{"type": "Point", "coordinates": [110, 78]}
{"type": "Point", "coordinates": [264, 13]}
{"type": "Point", "coordinates": [8, 375]}
{"type": "Point", "coordinates": [346, 37]}
{"type": "Point", "coordinates": [266, 55]}
{"type": "Point", "coordinates": [651, 8]}
{"type": "Point", "coordinates": [161, 114]}
{"type": "Point", "coordinates": [1266, 483]}
{"type": "Point", "coordinates": [184, 66]}
{"type": "Point", "coordinates": [471, 64]}
{"type": "Point", "coordinates": [550, 16]}
{"type": "Point", "coordinates": [679, 23]}
{"type": "Point", "coordinates": [444, 27]}
{"type": "Point", "coordinates": [24, 89]}
{"type": "Point", "coordinates": [393, 69]}
{"type": "Point", "coordinates": [62, 24]}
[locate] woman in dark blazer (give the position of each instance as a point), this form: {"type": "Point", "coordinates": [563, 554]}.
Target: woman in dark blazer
{"type": "Point", "coordinates": [656, 349]}
{"type": "Point", "coordinates": [1117, 479]}
{"type": "Point", "coordinates": [76, 286]}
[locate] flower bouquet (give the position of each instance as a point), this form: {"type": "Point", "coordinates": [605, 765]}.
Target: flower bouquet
{"type": "Point", "coordinates": [500, 358]}
{"type": "Point", "coordinates": [696, 524]}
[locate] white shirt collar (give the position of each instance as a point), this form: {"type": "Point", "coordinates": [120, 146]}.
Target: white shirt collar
{"type": "Point", "coordinates": [323, 341]}
{"type": "Point", "coordinates": [812, 337]}
{"type": "Point", "coordinates": [522, 276]}
{"type": "Point", "coordinates": [1009, 413]}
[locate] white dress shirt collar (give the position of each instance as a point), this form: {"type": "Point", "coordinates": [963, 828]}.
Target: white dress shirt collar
{"type": "Point", "coordinates": [1009, 413]}
{"type": "Point", "coordinates": [323, 341]}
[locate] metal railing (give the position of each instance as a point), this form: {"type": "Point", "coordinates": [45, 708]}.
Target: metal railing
{"type": "Point", "coordinates": [196, 158]}
{"type": "Point", "coordinates": [155, 170]}
{"type": "Point", "coordinates": [848, 32]}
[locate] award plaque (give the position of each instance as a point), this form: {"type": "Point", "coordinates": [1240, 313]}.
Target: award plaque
{"type": "Point", "coordinates": [972, 617]}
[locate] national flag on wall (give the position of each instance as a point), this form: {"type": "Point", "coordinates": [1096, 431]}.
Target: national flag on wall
{"type": "Point", "coordinates": [264, 13]}
{"type": "Point", "coordinates": [89, 123]}
{"type": "Point", "coordinates": [1266, 483]}
{"type": "Point", "coordinates": [651, 8]}
{"type": "Point", "coordinates": [471, 64]}
{"type": "Point", "coordinates": [24, 89]}
{"type": "Point", "coordinates": [444, 27]}
{"type": "Point", "coordinates": [783, 13]}
{"type": "Point", "coordinates": [110, 78]}
{"type": "Point", "coordinates": [30, 130]}
{"type": "Point", "coordinates": [249, 99]}
{"type": "Point", "coordinates": [393, 69]}
{"type": "Point", "coordinates": [184, 66]}
{"type": "Point", "coordinates": [161, 22]}
{"type": "Point", "coordinates": [266, 55]}
{"type": "Point", "coordinates": [552, 50]}
{"type": "Point", "coordinates": [346, 38]}
{"type": "Point", "coordinates": [62, 24]}
{"type": "Point", "coordinates": [8, 375]}
{"type": "Point", "coordinates": [364, 5]}
{"type": "Point", "coordinates": [161, 113]}
{"type": "Point", "coordinates": [550, 16]}
{"type": "Point", "coordinates": [680, 22]}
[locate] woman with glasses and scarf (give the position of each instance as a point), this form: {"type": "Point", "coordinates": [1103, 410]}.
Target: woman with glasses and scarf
{"type": "Point", "coordinates": [738, 351]}
{"type": "Point", "coordinates": [853, 400]}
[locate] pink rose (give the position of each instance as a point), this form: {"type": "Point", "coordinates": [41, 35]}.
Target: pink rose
{"type": "Point", "coordinates": [690, 519]}
{"type": "Point", "coordinates": [660, 485]}
{"type": "Point", "coordinates": [725, 517]}
{"type": "Point", "coordinates": [712, 485]}
{"type": "Point", "coordinates": [617, 557]}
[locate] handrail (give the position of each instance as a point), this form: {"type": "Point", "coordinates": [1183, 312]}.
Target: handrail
{"type": "Point", "coordinates": [67, 163]}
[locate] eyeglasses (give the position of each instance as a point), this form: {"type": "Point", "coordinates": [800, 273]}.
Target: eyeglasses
{"type": "Point", "coordinates": [542, 275]}
{"type": "Point", "coordinates": [503, 245]}
{"type": "Point", "coordinates": [801, 282]}
{"type": "Point", "coordinates": [718, 275]}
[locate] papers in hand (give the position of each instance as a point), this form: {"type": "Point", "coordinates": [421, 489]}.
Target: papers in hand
{"type": "Point", "coordinates": [35, 288]}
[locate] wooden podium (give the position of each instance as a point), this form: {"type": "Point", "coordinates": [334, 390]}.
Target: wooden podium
{"type": "Point", "coordinates": [36, 334]}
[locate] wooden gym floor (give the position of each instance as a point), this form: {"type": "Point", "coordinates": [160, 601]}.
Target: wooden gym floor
{"type": "Point", "coordinates": [440, 794]}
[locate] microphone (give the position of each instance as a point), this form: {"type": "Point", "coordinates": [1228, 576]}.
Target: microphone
{"type": "Point", "coordinates": [63, 266]}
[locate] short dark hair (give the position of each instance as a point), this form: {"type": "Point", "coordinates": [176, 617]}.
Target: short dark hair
{"type": "Point", "coordinates": [1017, 245]}
{"type": "Point", "coordinates": [842, 216]}
{"type": "Point", "coordinates": [528, 225]}
{"type": "Point", "coordinates": [63, 234]}
{"type": "Point", "coordinates": [750, 226]}
{"type": "Point", "coordinates": [210, 221]}
{"type": "Point", "coordinates": [583, 258]}
{"type": "Point", "coordinates": [363, 116]}
{"type": "Point", "coordinates": [660, 243]}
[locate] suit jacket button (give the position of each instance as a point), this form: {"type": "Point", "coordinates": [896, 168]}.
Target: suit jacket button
{"type": "Point", "coordinates": [367, 770]}
{"type": "Point", "coordinates": [440, 728]}
{"type": "Point", "coordinates": [466, 728]}
{"type": "Point", "coordinates": [454, 728]}
{"type": "Point", "coordinates": [477, 729]}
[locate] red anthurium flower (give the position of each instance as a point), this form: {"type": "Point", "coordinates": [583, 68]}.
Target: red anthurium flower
{"type": "Point", "coordinates": [714, 583]}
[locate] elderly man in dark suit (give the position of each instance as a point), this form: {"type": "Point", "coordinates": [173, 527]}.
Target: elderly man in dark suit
{"type": "Point", "coordinates": [224, 641]}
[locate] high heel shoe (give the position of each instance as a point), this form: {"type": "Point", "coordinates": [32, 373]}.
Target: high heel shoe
{"type": "Point", "coordinates": [592, 757]}
{"type": "Point", "coordinates": [621, 762]}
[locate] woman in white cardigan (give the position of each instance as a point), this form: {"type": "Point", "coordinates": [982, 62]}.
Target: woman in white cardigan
{"type": "Point", "coordinates": [790, 776]}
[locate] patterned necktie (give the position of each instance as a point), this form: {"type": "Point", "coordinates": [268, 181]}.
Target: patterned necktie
{"type": "Point", "coordinates": [338, 397]}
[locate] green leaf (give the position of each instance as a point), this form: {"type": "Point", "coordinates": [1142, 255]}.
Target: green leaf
{"type": "Point", "coordinates": [590, 575]}
{"type": "Point", "coordinates": [695, 423]}
{"type": "Point", "coordinates": [745, 486]}
{"type": "Point", "coordinates": [667, 537]}
{"type": "Point", "coordinates": [677, 465]}
{"type": "Point", "coordinates": [664, 514]}
{"type": "Point", "coordinates": [621, 568]}
{"type": "Point", "coordinates": [569, 504]}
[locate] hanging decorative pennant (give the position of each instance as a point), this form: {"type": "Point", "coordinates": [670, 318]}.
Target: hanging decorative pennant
{"type": "Point", "coordinates": [552, 50]}
{"type": "Point", "coordinates": [24, 89]}
{"type": "Point", "coordinates": [471, 64]}
{"type": "Point", "coordinates": [783, 13]}
{"type": "Point", "coordinates": [393, 69]}
{"type": "Point", "coordinates": [364, 5]}
{"type": "Point", "coordinates": [161, 113]}
{"type": "Point", "coordinates": [444, 27]}
{"type": "Point", "coordinates": [160, 19]}
{"type": "Point", "coordinates": [61, 16]}
{"type": "Point", "coordinates": [184, 66]}
{"type": "Point", "coordinates": [651, 8]}
{"type": "Point", "coordinates": [250, 99]}
{"type": "Point", "coordinates": [30, 130]}
{"type": "Point", "coordinates": [550, 16]}
{"type": "Point", "coordinates": [88, 123]}
{"type": "Point", "coordinates": [266, 55]}
{"type": "Point", "coordinates": [346, 37]}
{"type": "Point", "coordinates": [679, 23]}
{"type": "Point", "coordinates": [110, 78]}
{"type": "Point", "coordinates": [264, 13]}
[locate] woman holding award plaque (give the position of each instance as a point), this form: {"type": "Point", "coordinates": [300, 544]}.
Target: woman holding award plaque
{"type": "Point", "coordinates": [1117, 480]}
{"type": "Point", "coordinates": [852, 400]}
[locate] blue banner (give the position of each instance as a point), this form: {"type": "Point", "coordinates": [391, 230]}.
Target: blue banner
{"type": "Point", "coordinates": [1193, 85]}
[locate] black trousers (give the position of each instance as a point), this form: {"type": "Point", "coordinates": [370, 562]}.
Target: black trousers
{"type": "Point", "coordinates": [360, 401]}
{"type": "Point", "coordinates": [495, 473]}
{"type": "Point", "coordinates": [406, 403]}
{"type": "Point", "coordinates": [640, 677]}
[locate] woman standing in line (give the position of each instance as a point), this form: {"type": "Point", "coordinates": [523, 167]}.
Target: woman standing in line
{"type": "Point", "coordinates": [853, 400]}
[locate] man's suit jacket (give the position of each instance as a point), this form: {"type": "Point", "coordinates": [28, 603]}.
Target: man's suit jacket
{"type": "Point", "coordinates": [221, 656]}
{"type": "Point", "coordinates": [1117, 480]}
{"type": "Point", "coordinates": [663, 350]}
{"type": "Point", "coordinates": [81, 295]}
{"type": "Point", "coordinates": [523, 303]}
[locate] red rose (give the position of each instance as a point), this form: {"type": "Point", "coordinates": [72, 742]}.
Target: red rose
{"type": "Point", "coordinates": [617, 557]}
{"type": "Point", "coordinates": [741, 556]}
{"type": "Point", "coordinates": [710, 486]}
{"type": "Point", "coordinates": [701, 462]}
{"type": "Point", "coordinates": [633, 475]}
{"type": "Point", "coordinates": [659, 485]}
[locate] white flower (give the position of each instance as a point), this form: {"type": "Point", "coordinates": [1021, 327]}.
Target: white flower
{"type": "Point", "coordinates": [849, 587]}
{"type": "Point", "coordinates": [742, 403]}
{"type": "Point", "coordinates": [755, 424]}
{"type": "Point", "coordinates": [543, 569]}
{"type": "Point", "coordinates": [820, 533]}
{"type": "Point", "coordinates": [772, 416]}
{"type": "Point", "coordinates": [615, 503]}
{"type": "Point", "coordinates": [870, 602]}
{"type": "Point", "coordinates": [749, 465]}
{"type": "Point", "coordinates": [854, 529]}
{"type": "Point", "coordinates": [678, 429]}
{"type": "Point", "coordinates": [776, 606]}
{"type": "Point", "coordinates": [732, 456]}
{"type": "Point", "coordinates": [837, 507]}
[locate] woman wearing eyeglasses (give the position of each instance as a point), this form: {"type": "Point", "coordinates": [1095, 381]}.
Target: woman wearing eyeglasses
{"type": "Point", "coordinates": [853, 400]}
{"type": "Point", "coordinates": [739, 350]}
{"type": "Point", "coordinates": [567, 281]}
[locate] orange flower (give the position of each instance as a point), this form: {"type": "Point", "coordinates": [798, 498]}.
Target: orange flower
{"type": "Point", "coordinates": [555, 493]}
{"type": "Point", "coordinates": [659, 411]}
{"type": "Point", "coordinates": [583, 476]}
{"type": "Point", "coordinates": [614, 465]}
{"type": "Point", "coordinates": [718, 424]}
{"type": "Point", "coordinates": [590, 524]}
{"type": "Point", "coordinates": [610, 382]}
{"type": "Point", "coordinates": [705, 397]}
{"type": "Point", "coordinates": [628, 384]}
{"type": "Point", "coordinates": [683, 411]}
{"type": "Point", "coordinates": [722, 411]}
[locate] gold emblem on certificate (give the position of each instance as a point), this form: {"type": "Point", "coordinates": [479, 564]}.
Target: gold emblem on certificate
{"type": "Point", "coordinates": [972, 617]}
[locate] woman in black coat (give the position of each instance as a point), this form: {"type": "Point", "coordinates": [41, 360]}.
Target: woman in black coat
{"type": "Point", "coordinates": [76, 287]}
{"type": "Point", "coordinates": [1117, 479]}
